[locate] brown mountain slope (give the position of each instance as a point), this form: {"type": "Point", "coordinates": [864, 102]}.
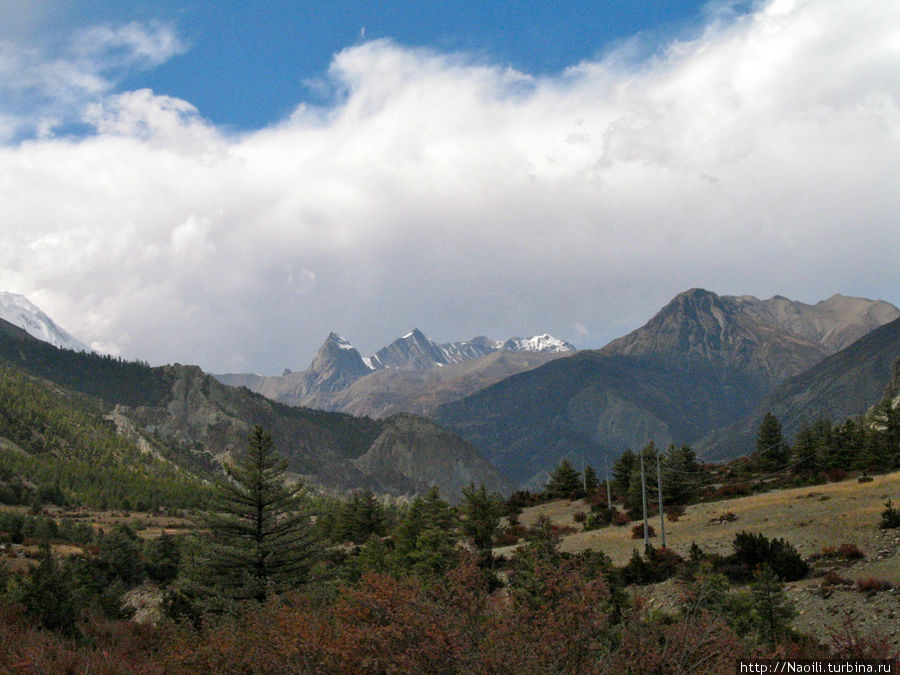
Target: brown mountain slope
{"type": "Point", "coordinates": [701, 363]}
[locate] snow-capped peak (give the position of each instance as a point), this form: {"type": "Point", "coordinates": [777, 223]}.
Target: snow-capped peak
{"type": "Point", "coordinates": [19, 311]}
{"type": "Point", "coordinates": [340, 341]}
{"type": "Point", "coordinates": [538, 343]}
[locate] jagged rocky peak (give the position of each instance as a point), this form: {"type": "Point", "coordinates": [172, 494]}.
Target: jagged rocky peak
{"type": "Point", "coordinates": [413, 351]}
{"type": "Point", "coordinates": [778, 336]}
{"type": "Point", "coordinates": [19, 311]}
{"type": "Point", "coordinates": [336, 365]}
{"type": "Point", "coordinates": [696, 321]}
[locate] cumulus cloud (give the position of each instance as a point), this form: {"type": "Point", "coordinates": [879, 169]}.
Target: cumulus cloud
{"type": "Point", "coordinates": [45, 84]}
{"type": "Point", "coordinates": [465, 198]}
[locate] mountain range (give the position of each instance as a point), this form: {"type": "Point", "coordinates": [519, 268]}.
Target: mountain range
{"type": "Point", "coordinates": [412, 374]}
{"type": "Point", "coordinates": [699, 364]}
{"type": "Point", "coordinates": [703, 370]}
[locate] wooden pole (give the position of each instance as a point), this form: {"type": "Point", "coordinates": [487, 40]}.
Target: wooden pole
{"type": "Point", "coordinates": [662, 519]}
{"type": "Point", "coordinates": [644, 502]}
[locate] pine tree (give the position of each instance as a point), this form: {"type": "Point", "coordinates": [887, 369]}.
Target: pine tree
{"type": "Point", "coordinates": [622, 471]}
{"type": "Point", "coordinates": [772, 611]}
{"type": "Point", "coordinates": [480, 519]}
{"type": "Point", "coordinates": [771, 448]}
{"type": "Point", "coordinates": [564, 481]}
{"type": "Point", "coordinates": [260, 538]}
{"type": "Point", "coordinates": [591, 482]}
{"type": "Point", "coordinates": [682, 477]}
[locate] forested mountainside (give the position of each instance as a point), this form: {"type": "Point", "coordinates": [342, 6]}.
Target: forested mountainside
{"type": "Point", "coordinates": [202, 421]}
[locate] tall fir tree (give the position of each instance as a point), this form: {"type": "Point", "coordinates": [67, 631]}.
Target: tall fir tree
{"type": "Point", "coordinates": [682, 475]}
{"type": "Point", "coordinates": [260, 539]}
{"type": "Point", "coordinates": [591, 482]}
{"type": "Point", "coordinates": [622, 471]}
{"type": "Point", "coordinates": [772, 451]}
{"type": "Point", "coordinates": [564, 481]}
{"type": "Point", "coordinates": [480, 513]}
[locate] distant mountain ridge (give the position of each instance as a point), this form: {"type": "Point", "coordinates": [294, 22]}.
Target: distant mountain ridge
{"type": "Point", "coordinates": [702, 362]}
{"type": "Point", "coordinates": [397, 377]}
{"type": "Point", "coordinates": [21, 312]}
{"type": "Point", "coordinates": [182, 413]}
{"type": "Point", "coordinates": [843, 385]}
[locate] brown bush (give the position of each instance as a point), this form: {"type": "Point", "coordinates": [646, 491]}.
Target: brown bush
{"type": "Point", "coordinates": [620, 519]}
{"type": "Point", "coordinates": [873, 585]}
{"type": "Point", "coordinates": [832, 578]}
{"type": "Point", "coordinates": [637, 532]}
{"type": "Point", "coordinates": [674, 512]}
{"type": "Point", "coordinates": [844, 552]}
{"type": "Point", "coordinates": [835, 475]}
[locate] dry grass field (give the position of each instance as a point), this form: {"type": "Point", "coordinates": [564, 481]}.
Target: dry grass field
{"type": "Point", "coordinates": [810, 518]}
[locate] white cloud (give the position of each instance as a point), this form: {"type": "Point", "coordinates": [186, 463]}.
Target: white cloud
{"type": "Point", "coordinates": [465, 199]}
{"type": "Point", "coordinates": [44, 84]}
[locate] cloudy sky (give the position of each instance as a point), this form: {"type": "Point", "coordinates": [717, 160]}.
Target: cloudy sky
{"type": "Point", "coordinates": [225, 183]}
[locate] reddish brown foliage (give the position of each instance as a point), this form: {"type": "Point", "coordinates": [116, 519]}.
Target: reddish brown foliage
{"type": "Point", "coordinates": [620, 518]}
{"type": "Point", "coordinates": [698, 644]}
{"type": "Point", "coordinates": [637, 532]}
{"type": "Point", "coordinates": [872, 585]}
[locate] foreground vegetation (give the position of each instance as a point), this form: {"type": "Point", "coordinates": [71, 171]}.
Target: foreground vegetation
{"type": "Point", "coordinates": [278, 581]}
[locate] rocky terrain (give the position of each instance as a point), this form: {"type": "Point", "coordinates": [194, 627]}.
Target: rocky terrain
{"type": "Point", "coordinates": [698, 365]}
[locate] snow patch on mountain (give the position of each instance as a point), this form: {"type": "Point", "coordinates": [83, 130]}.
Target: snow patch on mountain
{"type": "Point", "coordinates": [19, 311]}
{"type": "Point", "coordinates": [538, 343]}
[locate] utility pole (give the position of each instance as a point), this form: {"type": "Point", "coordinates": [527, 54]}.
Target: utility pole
{"type": "Point", "coordinates": [608, 495]}
{"type": "Point", "coordinates": [662, 519]}
{"type": "Point", "coordinates": [644, 501]}
{"type": "Point", "coordinates": [583, 472]}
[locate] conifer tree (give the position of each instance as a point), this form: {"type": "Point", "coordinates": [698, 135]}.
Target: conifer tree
{"type": "Point", "coordinates": [771, 449]}
{"type": "Point", "coordinates": [591, 482]}
{"type": "Point", "coordinates": [682, 476]}
{"type": "Point", "coordinates": [772, 611]}
{"type": "Point", "coordinates": [260, 538]}
{"type": "Point", "coordinates": [480, 519]}
{"type": "Point", "coordinates": [564, 481]}
{"type": "Point", "coordinates": [622, 471]}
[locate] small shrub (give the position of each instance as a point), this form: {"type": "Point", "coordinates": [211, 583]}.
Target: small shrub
{"type": "Point", "coordinates": [850, 552]}
{"type": "Point", "coordinates": [510, 535]}
{"type": "Point", "coordinates": [562, 530]}
{"type": "Point", "coordinates": [835, 475]}
{"type": "Point", "coordinates": [660, 564]}
{"type": "Point", "coordinates": [674, 512]}
{"type": "Point", "coordinates": [832, 578]}
{"type": "Point", "coordinates": [595, 521]}
{"type": "Point", "coordinates": [637, 532]}
{"type": "Point", "coordinates": [727, 491]}
{"type": "Point", "coordinates": [873, 585]}
{"type": "Point", "coordinates": [596, 500]}
{"type": "Point", "coordinates": [890, 517]}
{"type": "Point", "coordinates": [620, 519]}
{"type": "Point", "coordinates": [753, 550]}
{"type": "Point", "coordinates": [844, 552]}
{"type": "Point", "coordinates": [579, 516]}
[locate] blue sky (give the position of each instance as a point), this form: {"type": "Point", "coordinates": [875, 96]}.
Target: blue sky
{"type": "Point", "coordinates": [248, 64]}
{"type": "Point", "coordinates": [226, 183]}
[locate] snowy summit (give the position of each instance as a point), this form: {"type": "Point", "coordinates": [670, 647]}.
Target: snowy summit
{"type": "Point", "coordinates": [21, 312]}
